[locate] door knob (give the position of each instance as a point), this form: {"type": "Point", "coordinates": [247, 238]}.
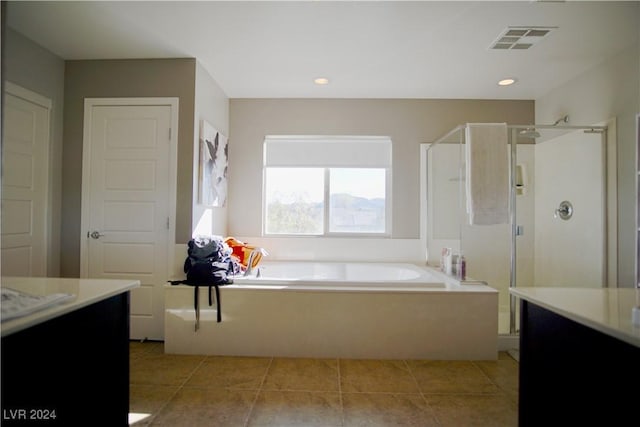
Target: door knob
{"type": "Point", "coordinates": [94, 234]}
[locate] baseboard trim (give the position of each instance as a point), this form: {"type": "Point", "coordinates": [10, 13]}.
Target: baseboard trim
{"type": "Point", "coordinates": [508, 342]}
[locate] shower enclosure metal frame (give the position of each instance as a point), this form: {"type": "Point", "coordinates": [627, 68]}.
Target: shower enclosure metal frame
{"type": "Point", "coordinates": [514, 131]}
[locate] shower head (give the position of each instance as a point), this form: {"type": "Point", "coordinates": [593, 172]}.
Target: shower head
{"type": "Point", "coordinates": [530, 133]}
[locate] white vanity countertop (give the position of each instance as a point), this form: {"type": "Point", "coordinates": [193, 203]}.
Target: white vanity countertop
{"type": "Point", "coordinates": [86, 292]}
{"type": "Point", "coordinates": [608, 310]}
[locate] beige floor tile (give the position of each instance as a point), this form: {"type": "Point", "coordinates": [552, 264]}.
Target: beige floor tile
{"type": "Point", "coordinates": [386, 409]}
{"type": "Point", "coordinates": [457, 376]}
{"type": "Point", "coordinates": [230, 372]}
{"type": "Point", "coordinates": [156, 347]}
{"type": "Point", "coordinates": [302, 374]}
{"type": "Point", "coordinates": [163, 369]}
{"type": "Point", "coordinates": [503, 373]}
{"type": "Point", "coordinates": [197, 407]}
{"type": "Point", "coordinates": [149, 399]}
{"type": "Point", "coordinates": [296, 409]}
{"type": "Point", "coordinates": [182, 390]}
{"type": "Point", "coordinates": [470, 410]}
{"type": "Point", "coordinates": [137, 348]}
{"type": "Point", "coordinates": [389, 376]}
{"type": "Point", "coordinates": [502, 355]}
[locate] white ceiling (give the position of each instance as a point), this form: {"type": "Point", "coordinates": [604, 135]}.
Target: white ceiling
{"type": "Point", "coordinates": [379, 49]}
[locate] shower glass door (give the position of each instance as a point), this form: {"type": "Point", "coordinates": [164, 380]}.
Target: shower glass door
{"type": "Point", "coordinates": [569, 213]}
{"type": "Point", "coordinates": [486, 248]}
{"type": "Point", "coordinates": [559, 181]}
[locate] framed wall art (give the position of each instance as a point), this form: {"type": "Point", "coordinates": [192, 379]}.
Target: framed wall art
{"type": "Point", "coordinates": [213, 166]}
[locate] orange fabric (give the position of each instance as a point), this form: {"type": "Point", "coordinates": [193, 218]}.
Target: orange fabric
{"type": "Point", "coordinates": [241, 251]}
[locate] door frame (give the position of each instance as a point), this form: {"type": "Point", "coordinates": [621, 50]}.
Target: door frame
{"type": "Point", "coordinates": [46, 103]}
{"type": "Point", "coordinates": [89, 104]}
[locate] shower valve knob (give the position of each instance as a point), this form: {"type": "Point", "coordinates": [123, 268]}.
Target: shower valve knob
{"type": "Point", "coordinates": [564, 211]}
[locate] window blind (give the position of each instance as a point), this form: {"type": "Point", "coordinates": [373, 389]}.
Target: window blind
{"type": "Point", "coordinates": [327, 151]}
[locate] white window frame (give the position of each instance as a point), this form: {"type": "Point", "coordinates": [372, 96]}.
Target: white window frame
{"type": "Point", "coordinates": [353, 164]}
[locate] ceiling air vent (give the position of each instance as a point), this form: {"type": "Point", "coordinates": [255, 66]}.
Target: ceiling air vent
{"type": "Point", "coordinates": [519, 38]}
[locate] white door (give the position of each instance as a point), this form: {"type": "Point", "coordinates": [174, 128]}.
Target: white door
{"type": "Point", "coordinates": [25, 159]}
{"type": "Point", "coordinates": [127, 209]}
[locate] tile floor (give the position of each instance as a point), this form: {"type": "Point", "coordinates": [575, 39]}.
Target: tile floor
{"type": "Point", "coordinates": [184, 390]}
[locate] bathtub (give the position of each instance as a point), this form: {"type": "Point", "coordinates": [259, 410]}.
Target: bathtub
{"type": "Point", "coordinates": [338, 310]}
{"type": "Point", "coordinates": [342, 276]}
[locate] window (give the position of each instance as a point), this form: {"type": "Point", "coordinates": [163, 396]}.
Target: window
{"type": "Point", "coordinates": [357, 200]}
{"type": "Point", "coordinates": [294, 199]}
{"type": "Point", "coordinates": [327, 185]}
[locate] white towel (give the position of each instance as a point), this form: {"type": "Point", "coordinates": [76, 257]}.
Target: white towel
{"type": "Point", "coordinates": [487, 167]}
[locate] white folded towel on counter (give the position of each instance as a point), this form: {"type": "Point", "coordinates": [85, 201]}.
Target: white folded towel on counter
{"type": "Point", "coordinates": [487, 179]}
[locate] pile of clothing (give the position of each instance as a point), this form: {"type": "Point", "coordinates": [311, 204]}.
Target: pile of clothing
{"type": "Point", "coordinates": [247, 256]}
{"type": "Point", "coordinates": [212, 262]}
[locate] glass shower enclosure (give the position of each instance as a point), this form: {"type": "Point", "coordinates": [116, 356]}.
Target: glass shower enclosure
{"type": "Point", "coordinates": [557, 233]}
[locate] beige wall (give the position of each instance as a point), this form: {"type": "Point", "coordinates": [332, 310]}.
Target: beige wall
{"type": "Point", "coordinates": [611, 90]}
{"type": "Point", "coordinates": [212, 105]}
{"type": "Point", "coordinates": [407, 121]}
{"type": "Point", "coordinates": [123, 78]}
{"type": "Point", "coordinates": [35, 68]}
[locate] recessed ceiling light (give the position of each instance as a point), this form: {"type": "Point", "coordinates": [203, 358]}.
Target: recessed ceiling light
{"type": "Point", "coordinates": [321, 81]}
{"type": "Point", "coordinates": [506, 82]}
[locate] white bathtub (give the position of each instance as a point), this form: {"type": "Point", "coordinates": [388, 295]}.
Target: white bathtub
{"type": "Point", "coordinates": [331, 309]}
{"type": "Point", "coordinates": [338, 276]}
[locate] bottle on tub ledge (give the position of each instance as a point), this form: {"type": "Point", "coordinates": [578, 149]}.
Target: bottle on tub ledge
{"type": "Point", "coordinates": [461, 268]}
{"type": "Point", "coordinates": [446, 263]}
{"type": "Point", "coordinates": [453, 265]}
